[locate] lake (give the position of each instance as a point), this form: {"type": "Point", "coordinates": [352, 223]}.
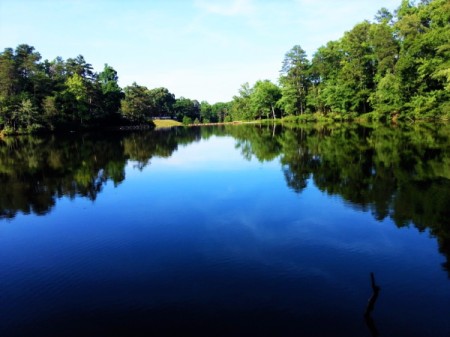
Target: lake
{"type": "Point", "coordinates": [226, 231]}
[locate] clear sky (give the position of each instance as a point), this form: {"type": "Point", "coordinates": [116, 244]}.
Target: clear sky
{"type": "Point", "coordinates": [199, 49]}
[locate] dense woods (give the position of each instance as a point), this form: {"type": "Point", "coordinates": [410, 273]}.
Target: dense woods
{"type": "Point", "coordinates": [397, 67]}
{"type": "Point", "coordinates": [48, 95]}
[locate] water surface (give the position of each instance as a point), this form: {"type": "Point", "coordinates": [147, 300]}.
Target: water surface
{"type": "Point", "coordinates": [230, 231]}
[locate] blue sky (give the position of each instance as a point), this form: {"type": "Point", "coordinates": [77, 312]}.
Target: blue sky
{"type": "Point", "coordinates": [200, 49]}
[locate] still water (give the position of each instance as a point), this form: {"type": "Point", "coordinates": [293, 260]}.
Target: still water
{"type": "Point", "coordinates": [226, 231]}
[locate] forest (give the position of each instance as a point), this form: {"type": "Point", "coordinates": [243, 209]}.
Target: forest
{"type": "Point", "coordinates": [394, 68]}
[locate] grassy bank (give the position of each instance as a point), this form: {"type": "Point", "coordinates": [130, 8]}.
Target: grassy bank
{"type": "Point", "coordinates": [166, 123]}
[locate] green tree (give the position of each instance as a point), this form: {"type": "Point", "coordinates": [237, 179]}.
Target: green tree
{"type": "Point", "coordinates": [27, 114]}
{"type": "Point", "coordinates": [50, 111]}
{"type": "Point", "coordinates": [264, 98]}
{"type": "Point", "coordinates": [162, 102]}
{"type": "Point", "coordinates": [384, 16]}
{"type": "Point", "coordinates": [220, 112]}
{"type": "Point", "coordinates": [385, 48]}
{"type": "Point", "coordinates": [79, 66]}
{"type": "Point", "coordinates": [77, 97]}
{"type": "Point", "coordinates": [136, 106]}
{"type": "Point", "coordinates": [185, 107]}
{"type": "Point", "coordinates": [56, 71]}
{"type": "Point", "coordinates": [387, 98]}
{"type": "Point", "coordinates": [325, 68]}
{"type": "Point", "coordinates": [27, 67]}
{"type": "Point", "coordinates": [205, 112]}
{"type": "Point", "coordinates": [424, 57]}
{"type": "Point", "coordinates": [112, 93]}
{"type": "Point", "coordinates": [356, 78]}
{"type": "Point", "coordinates": [8, 78]}
{"type": "Point", "coordinates": [294, 81]}
{"type": "Point", "coordinates": [241, 104]}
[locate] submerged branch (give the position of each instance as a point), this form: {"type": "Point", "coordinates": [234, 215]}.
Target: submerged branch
{"type": "Point", "coordinates": [374, 297]}
{"type": "Point", "coordinates": [370, 306]}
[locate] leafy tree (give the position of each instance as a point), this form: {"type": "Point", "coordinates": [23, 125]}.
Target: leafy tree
{"type": "Point", "coordinates": [26, 64]}
{"type": "Point", "coordinates": [385, 48]}
{"type": "Point", "coordinates": [205, 112]}
{"type": "Point", "coordinates": [325, 68]}
{"type": "Point", "coordinates": [24, 115]}
{"type": "Point", "coordinates": [187, 120]}
{"type": "Point", "coordinates": [241, 105]}
{"type": "Point", "coordinates": [56, 71]}
{"type": "Point", "coordinates": [424, 56]}
{"type": "Point", "coordinates": [8, 78]}
{"type": "Point", "coordinates": [214, 113]}
{"type": "Point", "coordinates": [137, 104]}
{"type": "Point", "coordinates": [79, 66]}
{"type": "Point", "coordinates": [185, 107]}
{"type": "Point", "coordinates": [387, 99]}
{"type": "Point", "coordinates": [264, 98]}
{"type": "Point", "coordinates": [356, 77]}
{"type": "Point", "coordinates": [294, 81]}
{"type": "Point", "coordinates": [77, 97]}
{"type": "Point", "coordinates": [220, 112]}
{"type": "Point", "coordinates": [112, 93]}
{"type": "Point", "coordinates": [50, 111]}
{"type": "Point", "coordinates": [384, 16]}
{"type": "Point", "coordinates": [162, 102]}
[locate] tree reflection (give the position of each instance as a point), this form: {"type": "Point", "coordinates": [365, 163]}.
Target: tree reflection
{"type": "Point", "coordinates": [398, 172]}
{"type": "Point", "coordinates": [35, 171]}
{"type": "Point", "coordinates": [402, 172]}
{"type": "Point", "coordinates": [260, 141]}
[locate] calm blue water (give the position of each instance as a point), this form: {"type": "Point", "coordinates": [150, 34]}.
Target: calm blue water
{"type": "Point", "coordinates": [205, 242]}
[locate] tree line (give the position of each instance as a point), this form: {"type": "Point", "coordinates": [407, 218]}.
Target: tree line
{"type": "Point", "coordinates": [50, 95]}
{"type": "Point", "coordinates": [397, 67]}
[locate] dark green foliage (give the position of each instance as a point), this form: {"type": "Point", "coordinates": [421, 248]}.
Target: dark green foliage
{"type": "Point", "coordinates": [220, 112]}
{"type": "Point", "coordinates": [37, 95]}
{"type": "Point", "coordinates": [294, 80]}
{"type": "Point", "coordinates": [110, 89]}
{"type": "Point", "coordinates": [162, 102]}
{"type": "Point", "coordinates": [184, 107]}
{"type": "Point", "coordinates": [187, 120]}
{"type": "Point", "coordinates": [137, 104]}
{"type": "Point", "coordinates": [213, 113]}
{"type": "Point", "coordinates": [42, 95]}
{"type": "Point", "coordinates": [394, 68]}
{"type": "Point", "coordinates": [264, 99]}
{"type": "Point", "coordinates": [241, 105]}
